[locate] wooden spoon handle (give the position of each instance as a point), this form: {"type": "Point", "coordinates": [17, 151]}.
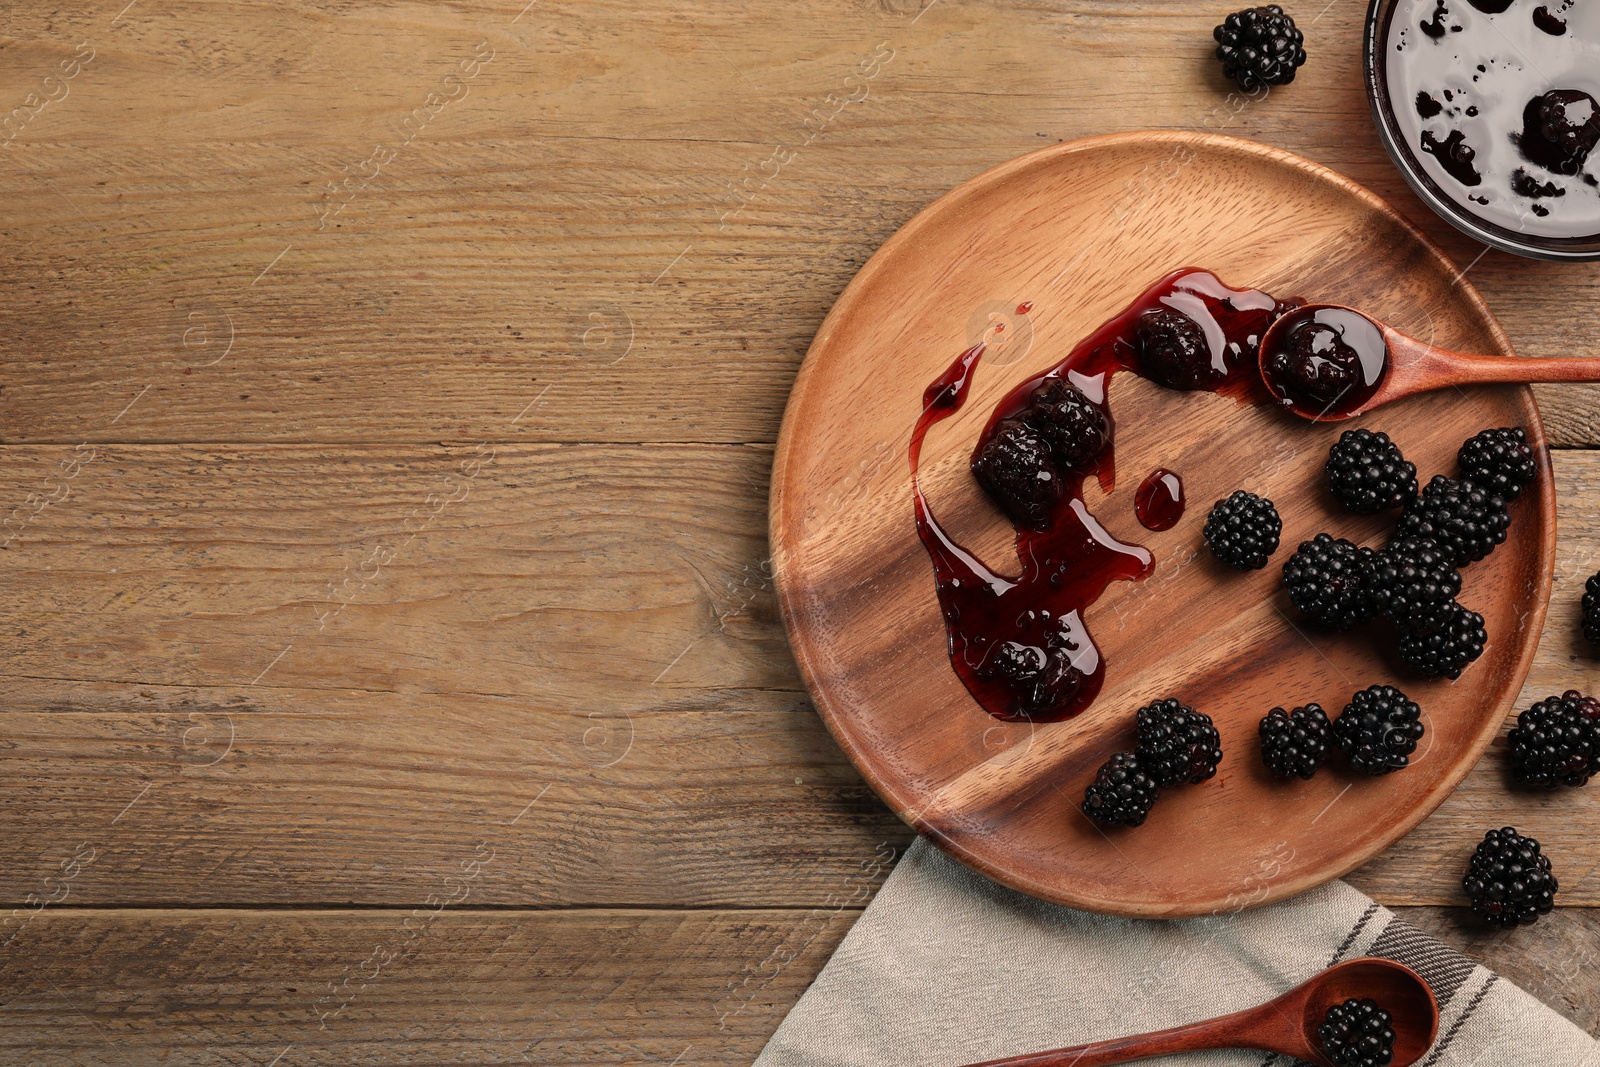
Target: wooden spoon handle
{"type": "Point", "coordinates": [1230, 1031]}
{"type": "Point", "coordinates": [1417, 365]}
{"type": "Point", "coordinates": [1518, 369]}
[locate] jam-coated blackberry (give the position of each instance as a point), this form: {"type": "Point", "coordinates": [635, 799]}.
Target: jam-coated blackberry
{"type": "Point", "coordinates": [1075, 427]}
{"type": "Point", "coordinates": [1174, 352]}
{"type": "Point", "coordinates": [1016, 469]}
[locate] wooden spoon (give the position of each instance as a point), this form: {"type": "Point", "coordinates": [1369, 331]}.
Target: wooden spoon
{"type": "Point", "coordinates": [1287, 1025]}
{"type": "Point", "coordinates": [1375, 363]}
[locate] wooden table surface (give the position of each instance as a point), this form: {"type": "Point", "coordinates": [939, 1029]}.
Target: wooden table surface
{"type": "Point", "coordinates": [388, 400]}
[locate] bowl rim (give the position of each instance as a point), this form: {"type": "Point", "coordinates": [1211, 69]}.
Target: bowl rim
{"type": "Point", "coordinates": [1553, 249]}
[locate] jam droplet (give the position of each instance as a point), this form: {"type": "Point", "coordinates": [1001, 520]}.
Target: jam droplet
{"type": "Point", "coordinates": [1024, 307]}
{"type": "Point", "coordinates": [1159, 502]}
{"type": "Point", "coordinates": [1020, 644]}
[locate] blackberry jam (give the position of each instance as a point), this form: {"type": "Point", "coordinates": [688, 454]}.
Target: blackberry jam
{"type": "Point", "coordinates": [1159, 502]}
{"type": "Point", "coordinates": [1499, 104]}
{"type": "Point", "coordinates": [1020, 643]}
{"type": "Point", "coordinates": [1328, 363]}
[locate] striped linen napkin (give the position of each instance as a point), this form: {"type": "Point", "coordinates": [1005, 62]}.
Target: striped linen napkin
{"type": "Point", "coordinates": [948, 968]}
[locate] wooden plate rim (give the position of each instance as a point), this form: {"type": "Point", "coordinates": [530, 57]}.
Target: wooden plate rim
{"type": "Point", "coordinates": [788, 599]}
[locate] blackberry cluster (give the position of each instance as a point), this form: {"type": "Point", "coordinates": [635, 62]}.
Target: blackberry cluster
{"type": "Point", "coordinates": [1243, 530]}
{"type": "Point", "coordinates": [1174, 352]}
{"type": "Point", "coordinates": [1023, 465]}
{"type": "Point", "coordinates": [1327, 579]}
{"type": "Point", "coordinates": [1459, 516]}
{"type": "Point", "coordinates": [1177, 744]}
{"type": "Point", "coordinates": [1293, 743]}
{"type": "Point", "coordinates": [1379, 729]}
{"type": "Point", "coordinates": [1443, 651]}
{"type": "Point", "coordinates": [1500, 461]}
{"type": "Point", "coordinates": [1508, 880]}
{"type": "Point", "coordinates": [1414, 584]}
{"type": "Point", "coordinates": [1259, 46]}
{"type": "Point", "coordinates": [1591, 610]}
{"type": "Point", "coordinates": [1367, 473]}
{"type": "Point", "coordinates": [1357, 1033]}
{"type": "Point", "coordinates": [1557, 741]}
{"type": "Point", "coordinates": [1122, 793]}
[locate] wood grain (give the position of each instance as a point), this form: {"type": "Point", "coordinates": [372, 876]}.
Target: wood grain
{"type": "Point", "coordinates": [489, 987]}
{"type": "Point", "coordinates": [486, 288]}
{"type": "Point", "coordinates": [515, 240]}
{"type": "Point", "coordinates": [144, 604]}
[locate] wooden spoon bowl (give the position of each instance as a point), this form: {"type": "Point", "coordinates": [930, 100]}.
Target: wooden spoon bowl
{"type": "Point", "coordinates": [1390, 365]}
{"type": "Point", "coordinates": [1286, 1025]}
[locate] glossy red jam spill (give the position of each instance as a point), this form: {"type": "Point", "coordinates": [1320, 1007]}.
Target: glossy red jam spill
{"type": "Point", "coordinates": [1159, 501]}
{"type": "Point", "coordinates": [1325, 362]}
{"type": "Point", "coordinates": [1020, 644]}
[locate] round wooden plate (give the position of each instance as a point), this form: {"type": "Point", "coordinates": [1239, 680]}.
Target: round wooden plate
{"type": "Point", "coordinates": [1078, 230]}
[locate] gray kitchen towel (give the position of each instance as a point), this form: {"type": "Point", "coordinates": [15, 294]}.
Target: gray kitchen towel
{"type": "Point", "coordinates": [947, 968]}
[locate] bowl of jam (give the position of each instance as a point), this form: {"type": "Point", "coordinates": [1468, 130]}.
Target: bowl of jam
{"type": "Point", "coordinates": [1491, 110]}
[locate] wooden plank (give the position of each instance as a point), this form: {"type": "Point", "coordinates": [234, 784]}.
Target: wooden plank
{"type": "Point", "coordinates": [594, 619]}
{"type": "Point", "coordinates": [326, 988]}
{"type": "Point", "coordinates": [490, 987]}
{"type": "Point", "coordinates": [595, 223]}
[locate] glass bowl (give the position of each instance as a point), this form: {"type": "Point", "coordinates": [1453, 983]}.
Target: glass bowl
{"type": "Point", "coordinates": [1583, 247]}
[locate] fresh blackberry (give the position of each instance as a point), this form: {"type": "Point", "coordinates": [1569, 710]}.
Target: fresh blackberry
{"type": "Point", "coordinates": [1508, 880]}
{"type": "Point", "coordinates": [1327, 579]}
{"type": "Point", "coordinates": [1590, 606]}
{"type": "Point", "coordinates": [1357, 1033]}
{"type": "Point", "coordinates": [1174, 352]}
{"type": "Point", "coordinates": [1557, 741]}
{"type": "Point", "coordinates": [1499, 461]}
{"type": "Point", "coordinates": [1444, 650]}
{"type": "Point", "coordinates": [1259, 46]}
{"type": "Point", "coordinates": [1414, 584]}
{"type": "Point", "coordinates": [1015, 468]}
{"type": "Point", "coordinates": [1294, 742]}
{"type": "Point", "coordinates": [1459, 515]}
{"type": "Point", "coordinates": [1075, 427]}
{"type": "Point", "coordinates": [1121, 794]}
{"type": "Point", "coordinates": [1379, 729]}
{"type": "Point", "coordinates": [1177, 744]}
{"type": "Point", "coordinates": [1367, 473]}
{"type": "Point", "coordinates": [1243, 530]}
